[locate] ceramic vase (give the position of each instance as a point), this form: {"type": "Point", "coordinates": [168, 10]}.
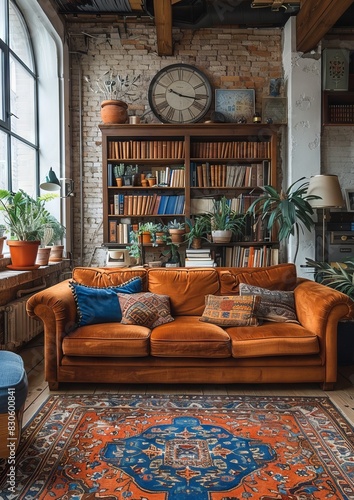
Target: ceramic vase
{"type": "Point", "coordinates": [114, 111]}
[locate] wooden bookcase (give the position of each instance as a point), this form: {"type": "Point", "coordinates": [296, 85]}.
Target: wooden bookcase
{"type": "Point", "coordinates": [194, 163]}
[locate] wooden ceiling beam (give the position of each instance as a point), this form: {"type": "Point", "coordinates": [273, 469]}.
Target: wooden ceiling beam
{"type": "Point", "coordinates": [163, 23]}
{"type": "Point", "coordinates": [314, 20]}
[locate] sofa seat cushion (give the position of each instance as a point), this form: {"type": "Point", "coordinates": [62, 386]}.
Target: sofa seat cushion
{"type": "Point", "coordinates": [107, 339]}
{"type": "Point", "coordinates": [188, 337]}
{"type": "Point", "coordinates": [185, 287]}
{"type": "Point", "coordinates": [280, 277]}
{"type": "Point", "coordinates": [272, 339]}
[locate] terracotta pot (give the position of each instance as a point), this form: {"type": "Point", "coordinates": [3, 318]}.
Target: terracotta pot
{"type": "Point", "coordinates": [177, 235]}
{"type": "Point", "coordinates": [43, 256]}
{"type": "Point", "coordinates": [2, 239]}
{"type": "Point", "coordinates": [56, 253]}
{"type": "Point", "coordinates": [196, 243]}
{"type": "Point", "coordinates": [220, 236]}
{"type": "Point", "coordinates": [160, 238]}
{"type": "Point", "coordinates": [146, 238]}
{"type": "Point", "coordinates": [152, 181]}
{"type": "Point", "coordinates": [23, 254]}
{"type": "Point", "coordinates": [114, 111]}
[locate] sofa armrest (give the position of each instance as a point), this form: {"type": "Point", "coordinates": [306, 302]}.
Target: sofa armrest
{"type": "Point", "coordinates": [56, 307]}
{"type": "Point", "coordinates": [319, 308]}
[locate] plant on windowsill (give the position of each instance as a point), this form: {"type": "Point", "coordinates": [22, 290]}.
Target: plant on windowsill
{"type": "Point", "coordinates": [24, 218]}
{"type": "Point", "coordinates": [224, 221]}
{"type": "Point", "coordinates": [286, 211]}
{"type": "Point", "coordinates": [115, 90]}
{"type": "Point", "coordinates": [2, 239]}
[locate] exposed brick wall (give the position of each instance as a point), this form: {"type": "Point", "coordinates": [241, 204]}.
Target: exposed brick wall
{"type": "Point", "coordinates": [231, 58]}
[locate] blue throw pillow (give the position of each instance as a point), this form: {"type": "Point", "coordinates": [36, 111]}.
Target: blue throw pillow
{"type": "Point", "coordinates": [101, 305]}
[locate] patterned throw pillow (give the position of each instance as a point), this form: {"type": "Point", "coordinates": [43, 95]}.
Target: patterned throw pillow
{"type": "Point", "coordinates": [101, 305]}
{"type": "Point", "coordinates": [231, 310]}
{"type": "Point", "coordinates": [145, 309]}
{"type": "Point", "coordinates": [275, 305]}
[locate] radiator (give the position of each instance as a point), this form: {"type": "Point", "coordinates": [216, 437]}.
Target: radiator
{"type": "Point", "coordinates": [18, 327]}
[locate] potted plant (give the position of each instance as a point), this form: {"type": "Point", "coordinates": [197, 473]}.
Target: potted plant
{"type": "Point", "coordinates": [174, 258]}
{"type": "Point", "coordinates": [114, 89]}
{"type": "Point", "coordinates": [2, 238]}
{"type": "Point", "coordinates": [176, 230]}
{"type": "Point", "coordinates": [341, 278]}
{"type": "Point", "coordinates": [24, 218]}
{"type": "Point", "coordinates": [135, 247]}
{"type": "Point", "coordinates": [286, 211]}
{"type": "Point", "coordinates": [224, 221]}
{"type": "Point", "coordinates": [198, 229]}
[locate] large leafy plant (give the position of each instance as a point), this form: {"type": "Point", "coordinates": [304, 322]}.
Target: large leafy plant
{"type": "Point", "coordinates": [286, 211]}
{"type": "Point", "coordinates": [339, 276]}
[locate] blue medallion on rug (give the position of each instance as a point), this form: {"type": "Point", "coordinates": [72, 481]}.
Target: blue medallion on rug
{"type": "Point", "coordinates": [187, 459]}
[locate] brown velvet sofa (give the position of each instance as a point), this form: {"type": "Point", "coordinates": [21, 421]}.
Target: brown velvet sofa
{"type": "Point", "coordinates": [188, 350]}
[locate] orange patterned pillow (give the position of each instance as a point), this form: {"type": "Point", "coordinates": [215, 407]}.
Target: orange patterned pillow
{"type": "Point", "coordinates": [231, 310]}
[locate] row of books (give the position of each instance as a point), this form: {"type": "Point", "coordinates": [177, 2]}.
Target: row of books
{"type": "Point", "coordinates": [240, 256]}
{"type": "Point", "coordinates": [196, 257]}
{"type": "Point", "coordinates": [154, 149]}
{"type": "Point", "coordinates": [169, 176]}
{"type": "Point", "coordinates": [145, 149]}
{"type": "Point", "coordinates": [119, 232]}
{"type": "Point", "coordinates": [231, 149]}
{"type": "Point", "coordinates": [341, 113]}
{"type": "Point", "coordinates": [154, 204]}
{"type": "Point", "coordinates": [230, 175]}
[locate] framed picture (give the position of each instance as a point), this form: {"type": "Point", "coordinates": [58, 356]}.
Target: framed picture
{"type": "Point", "coordinates": [349, 199]}
{"type": "Point", "coordinates": [274, 109]}
{"type": "Point", "coordinates": [235, 104]}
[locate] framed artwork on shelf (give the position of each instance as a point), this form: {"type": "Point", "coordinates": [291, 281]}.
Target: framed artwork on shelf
{"type": "Point", "coordinates": [235, 104]}
{"type": "Point", "coordinates": [274, 110]}
{"type": "Point", "coordinates": [349, 199]}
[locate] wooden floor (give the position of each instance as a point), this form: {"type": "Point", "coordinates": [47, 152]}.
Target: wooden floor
{"type": "Point", "coordinates": [32, 354]}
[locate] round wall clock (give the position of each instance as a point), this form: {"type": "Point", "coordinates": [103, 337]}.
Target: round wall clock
{"type": "Point", "coordinates": [180, 93]}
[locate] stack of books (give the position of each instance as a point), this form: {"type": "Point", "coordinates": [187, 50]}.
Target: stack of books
{"type": "Point", "coordinates": [200, 257]}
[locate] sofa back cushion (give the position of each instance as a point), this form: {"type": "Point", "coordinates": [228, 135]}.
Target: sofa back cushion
{"type": "Point", "coordinates": [186, 288]}
{"type": "Point", "coordinates": [107, 276]}
{"type": "Point", "coordinates": [279, 277]}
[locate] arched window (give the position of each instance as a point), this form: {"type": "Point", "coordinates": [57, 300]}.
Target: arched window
{"type": "Point", "coordinates": [19, 146]}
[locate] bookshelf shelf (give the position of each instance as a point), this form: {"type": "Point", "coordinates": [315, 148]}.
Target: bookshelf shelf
{"type": "Point", "coordinates": [198, 162]}
{"type": "Point", "coordinates": [338, 108]}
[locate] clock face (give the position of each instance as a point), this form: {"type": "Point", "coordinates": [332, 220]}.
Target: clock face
{"type": "Point", "coordinates": [180, 93]}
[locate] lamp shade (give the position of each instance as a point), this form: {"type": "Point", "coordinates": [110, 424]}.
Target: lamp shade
{"type": "Point", "coordinates": [51, 183]}
{"type": "Point", "coordinates": [328, 188]}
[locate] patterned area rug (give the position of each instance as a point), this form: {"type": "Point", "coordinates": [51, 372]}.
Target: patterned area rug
{"type": "Point", "coordinates": [156, 447]}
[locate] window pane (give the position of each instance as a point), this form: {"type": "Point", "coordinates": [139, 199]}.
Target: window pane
{"type": "Point", "coordinates": [3, 161]}
{"type": "Point", "coordinates": [22, 105]}
{"type": "Point", "coordinates": [3, 20]}
{"type": "Point", "coordinates": [23, 164]}
{"type": "Point", "coordinates": [19, 39]}
{"type": "Point", "coordinates": [2, 86]}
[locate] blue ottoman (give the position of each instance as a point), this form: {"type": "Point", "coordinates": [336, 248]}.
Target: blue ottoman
{"type": "Point", "coordinates": [13, 393]}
